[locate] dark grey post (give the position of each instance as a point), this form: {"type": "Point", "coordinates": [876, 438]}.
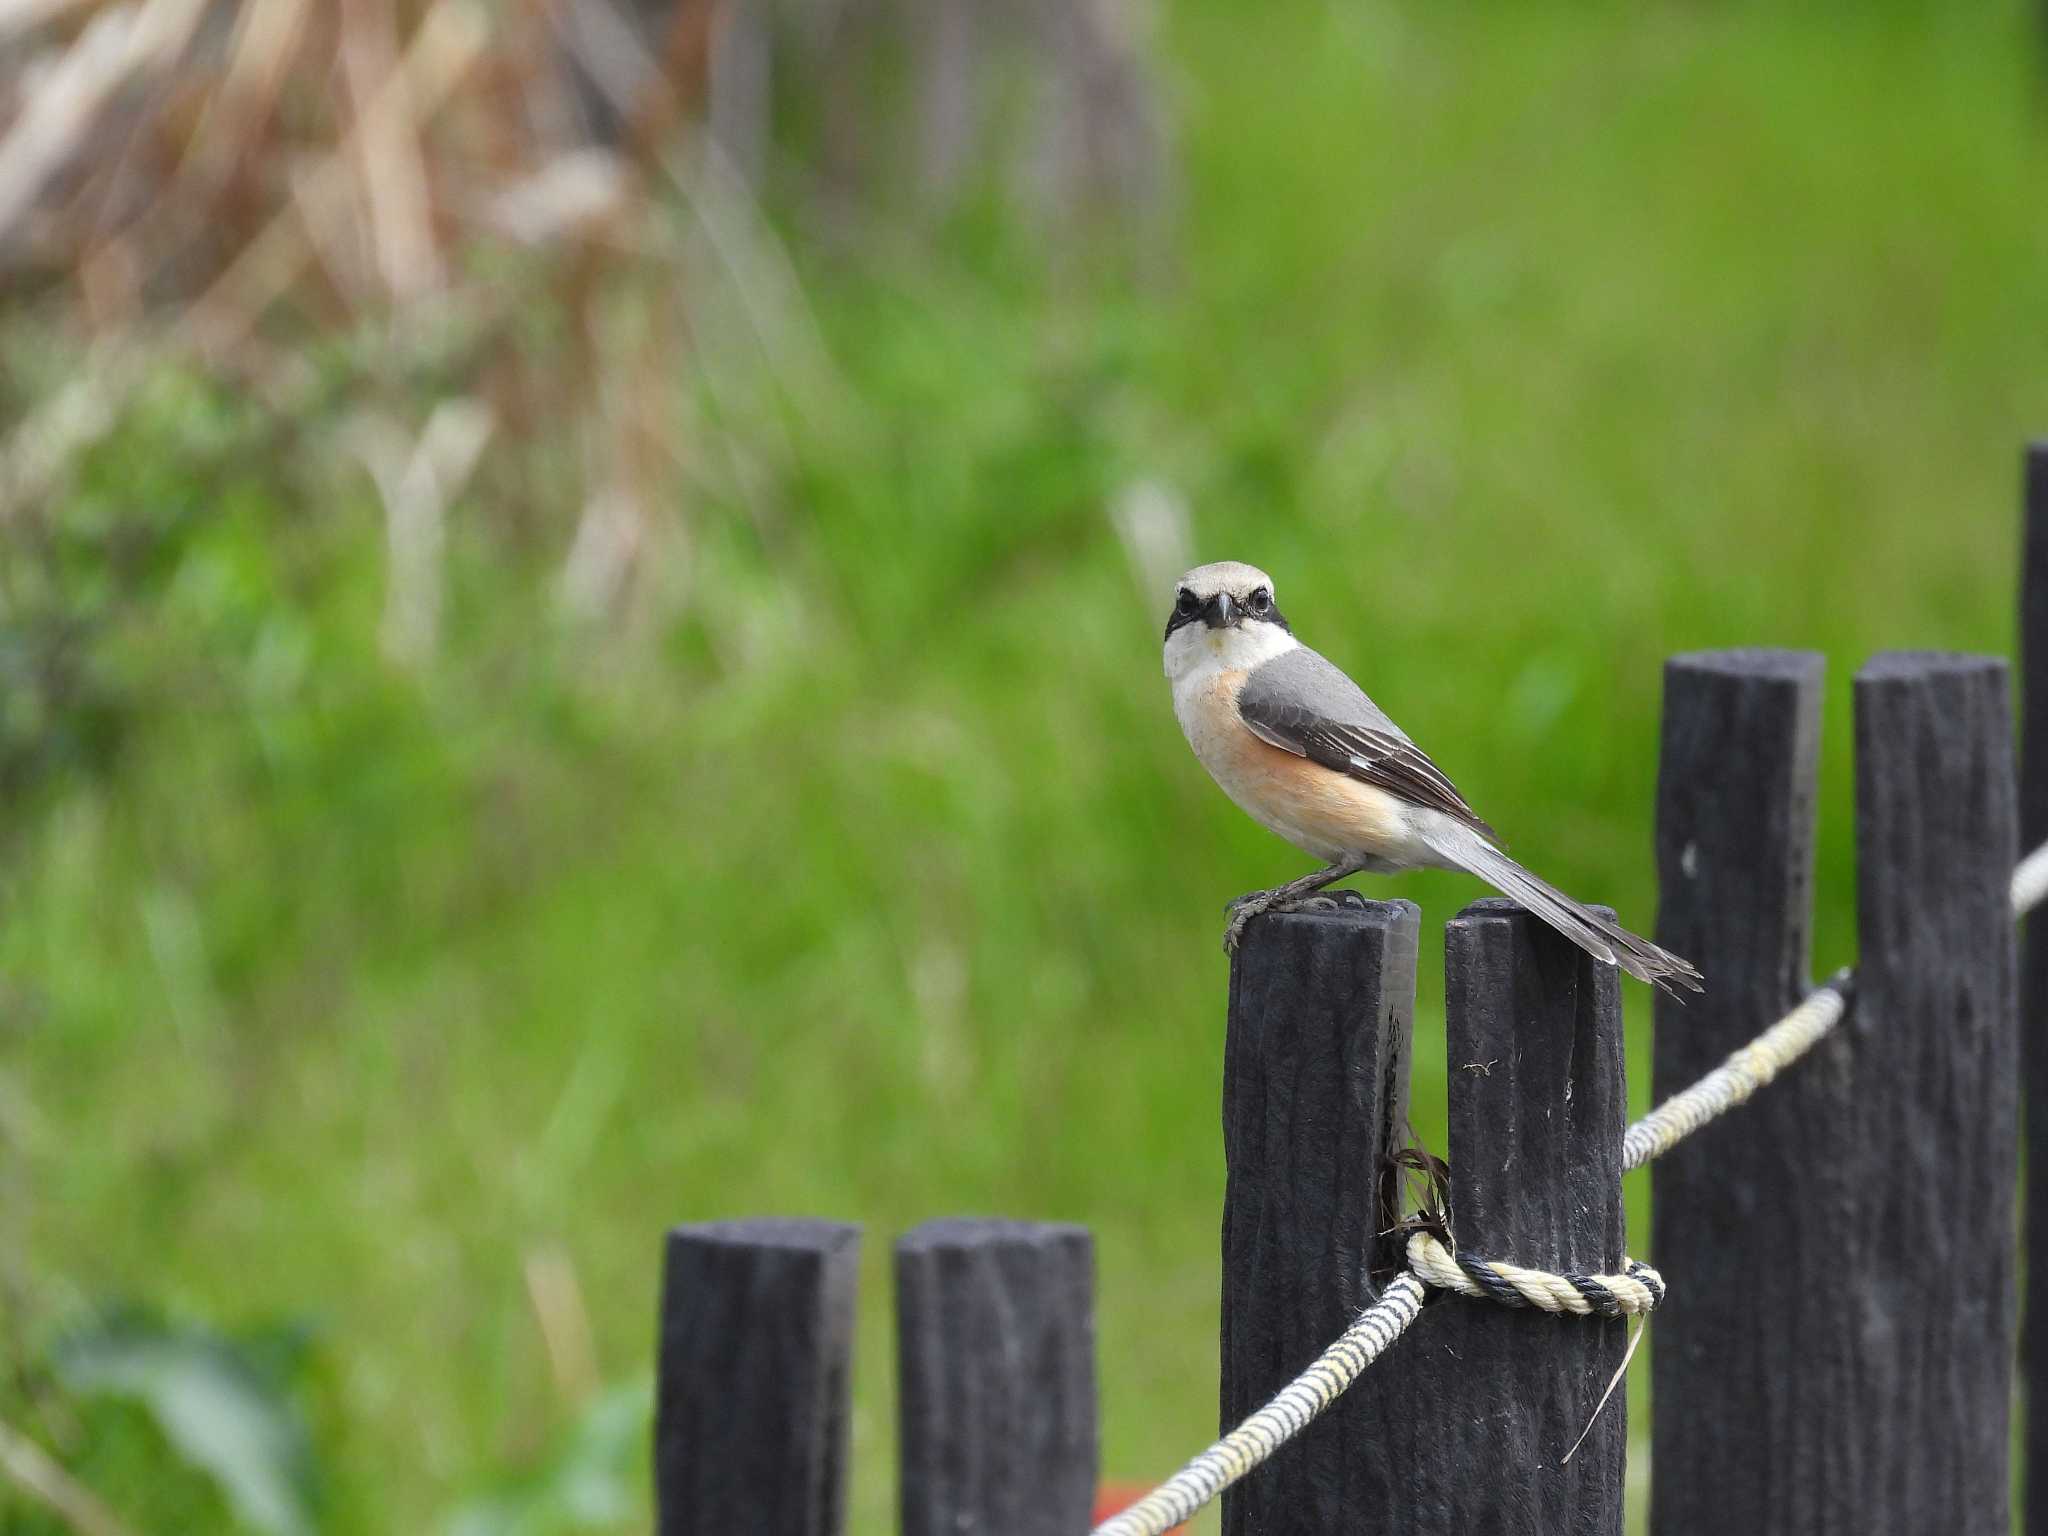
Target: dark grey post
{"type": "Point", "coordinates": [751, 1400]}
{"type": "Point", "coordinates": [996, 1340]}
{"type": "Point", "coordinates": [1932, 1288]}
{"type": "Point", "coordinates": [1472, 1414]}
{"type": "Point", "coordinates": [1753, 1357]}
{"type": "Point", "coordinates": [1314, 1103]}
{"type": "Point", "coordinates": [1838, 1355]}
{"type": "Point", "coordinates": [2034, 980]}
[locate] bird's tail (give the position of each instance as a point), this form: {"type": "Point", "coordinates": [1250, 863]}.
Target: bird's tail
{"type": "Point", "coordinates": [1596, 935]}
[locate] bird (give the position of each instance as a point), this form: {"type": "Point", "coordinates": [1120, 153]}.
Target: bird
{"type": "Point", "coordinates": [1303, 752]}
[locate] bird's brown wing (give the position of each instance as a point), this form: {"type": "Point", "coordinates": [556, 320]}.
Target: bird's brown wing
{"type": "Point", "coordinates": [1385, 759]}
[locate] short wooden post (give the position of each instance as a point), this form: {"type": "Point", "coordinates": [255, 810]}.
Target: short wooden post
{"type": "Point", "coordinates": [1314, 1103]}
{"type": "Point", "coordinates": [1753, 1362]}
{"type": "Point", "coordinates": [751, 1397]}
{"type": "Point", "coordinates": [1930, 1290]}
{"type": "Point", "coordinates": [996, 1350]}
{"type": "Point", "coordinates": [2034, 980]}
{"type": "Point", "coordinates": [1473, 1413]}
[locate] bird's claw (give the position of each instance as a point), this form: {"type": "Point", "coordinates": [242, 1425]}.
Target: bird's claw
{"type": "Point", "coordinates": [1242, 911]}
{"type": "Point", "coordinates": [1256, 903]}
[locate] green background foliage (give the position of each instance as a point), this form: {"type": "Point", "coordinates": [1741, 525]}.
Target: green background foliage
{"type": "Point", "coordinates": [1524, 346]}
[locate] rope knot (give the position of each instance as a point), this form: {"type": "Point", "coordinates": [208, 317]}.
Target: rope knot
{"type": "Point", "coordinates": [1636, 1290]}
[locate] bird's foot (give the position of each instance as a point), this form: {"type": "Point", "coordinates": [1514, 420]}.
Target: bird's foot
{"type": "Point", "coordinates": [1252, 905]}
{"type": "Point", "coordinates": [1242, 911]}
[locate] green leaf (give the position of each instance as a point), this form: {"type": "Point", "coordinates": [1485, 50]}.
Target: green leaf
{"type": "Point", "coordinates": [221, 1403]}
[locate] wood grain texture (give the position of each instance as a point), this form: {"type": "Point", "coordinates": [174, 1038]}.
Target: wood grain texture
{"type": "Point", "coordinates": [1474, 1411]}
{"type": "Point", "coordinates": [1754, 1360]}
{"type": "Point", "coordinates": [1931, 1288]}
{"type": "Point", "coordinates": [996, 1354]}
{"type": "Point", "coordinates": [1315, 1085]}
{"type": "Point", "coordinates": [2034, 979]}
{"type": "Point", "coordinates": [751, 1392]}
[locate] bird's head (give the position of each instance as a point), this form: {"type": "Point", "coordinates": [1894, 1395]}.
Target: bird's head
{"type": "Point", "coordinates": [1224, 611]}
{"type": "Point", "coordinates": [1223, 596]}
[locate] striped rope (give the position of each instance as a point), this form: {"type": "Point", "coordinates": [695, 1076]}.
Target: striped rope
{"type": "Point", "coordinates": [1739, 1076]}
{"type": "Point", "coordinates": [1245, 1448]}
{"type": "Point", "coordinates": [1635, 1291]}
{"type": "Point", "coordinates": [1175, 1501]}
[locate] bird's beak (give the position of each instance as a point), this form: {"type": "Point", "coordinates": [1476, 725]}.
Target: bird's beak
{"type": "Point", "coordinates": [1220, 612]}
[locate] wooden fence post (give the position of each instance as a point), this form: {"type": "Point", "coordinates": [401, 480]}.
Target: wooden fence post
{"type": "Point", "coordinates": [1931, 1289]}
{"type": "Point", "coordinates": [751, 1396]}
{"type": "Point", "coordinates": [1838, 1355]}
{"type": "Point", "coordinates": [996, 1350]}
{"type": "Point", "coordinates": [1472, 1414]}
{"type": "Point", "coordinates": [2034, 980]}
{"type": "Point", "coordinates": [1753, 1362]}
{"type": "Point", "coordinates": [1465, 1423]}
{"type": "Point", "coordinates": [1315, 1085]}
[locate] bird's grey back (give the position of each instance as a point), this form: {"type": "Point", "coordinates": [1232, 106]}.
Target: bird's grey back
{"type": "Point", "coordinates": [1307, 680]}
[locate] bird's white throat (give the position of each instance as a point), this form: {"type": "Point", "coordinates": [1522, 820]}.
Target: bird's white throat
{"type": "Point", "coordinates": [1195, 653]}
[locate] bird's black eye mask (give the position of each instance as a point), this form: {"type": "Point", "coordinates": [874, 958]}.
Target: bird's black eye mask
{"type": "Point", "coordinates": [1223, 612]}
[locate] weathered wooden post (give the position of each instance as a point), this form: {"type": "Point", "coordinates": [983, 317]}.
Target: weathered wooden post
{"type": "Point", "coordinates": [996, 1356]}
{"type": "Point", "coordinates": [751, 1397]}
{"type": "Point", "coordinates": [2034, 979]}
{"type": "Point", "coordinates": [1475, 1410]}
{"type": "Point", "coordinates": [1747, 1216]}
{"type": "Point", "coordinates": [1465, 1423]}
{"type": "Point", "coordinates": [1838, 1354]}
{"type": "Point", "coordinates": [1933, 1290]}
{"type": "Point", "coordinates": [1315, 1099]}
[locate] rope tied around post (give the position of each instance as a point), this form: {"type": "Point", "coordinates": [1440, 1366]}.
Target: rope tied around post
{"type": "Point", "coordinates": [1637, 1290]}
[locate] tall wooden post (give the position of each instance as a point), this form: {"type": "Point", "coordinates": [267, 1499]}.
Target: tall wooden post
{"type": "Point", "coordinates": [1473, 1413]}
{"type": "Point", "coordinates": [1315, 1082]}
{"type": "Point", "coordinates": [1841, 1358]}
{"type": "Point", "coordinates": [1465, 1423]}
{"type": "Point", "coordinates": [1931, 1289]}
{"type": "Point", "coordinates": [1747, 1215]}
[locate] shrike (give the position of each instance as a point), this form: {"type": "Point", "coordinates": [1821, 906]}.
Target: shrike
{"type": "Point", "coordinates": [1307, 755]}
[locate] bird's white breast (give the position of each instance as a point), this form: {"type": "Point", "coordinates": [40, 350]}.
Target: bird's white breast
{"type": "Point", "coordinates": [1195, 653]}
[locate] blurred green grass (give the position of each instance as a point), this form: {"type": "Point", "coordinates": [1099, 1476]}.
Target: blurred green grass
{"type": "Point", "coordinates": [1524, 347]}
